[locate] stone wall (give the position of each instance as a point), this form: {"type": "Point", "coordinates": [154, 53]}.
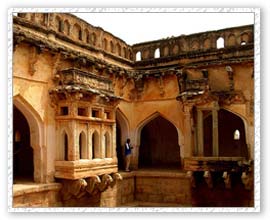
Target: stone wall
{"type": "Point", "coordinates": [42, 195]}
{"type": "Point", "coordinates": [172, 189]}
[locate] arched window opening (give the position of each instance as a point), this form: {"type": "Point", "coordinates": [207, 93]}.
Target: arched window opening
{"type": "Point", "coordinates": [138, 56]}
{"type": "Point", "coordinates": [58, 23]}
{"type": "Point", "coordinates": [87, 37]}
{"type": "Point", "coordinates": [231, 40]}
{"type": "Point", "coordinates": [244, 38]}
{"type": "Point", "coordinates": [94, 38]}
{"type": "Point", "coordinates": [61, 26]}
{"type": "Point", "coordinates": [95, 145]}
{"type": "Point", "coordinates": [112, 47]}
{"type": "Point", "coordinates": [107, 145]}
{"type": "Point", "coordinates": [77, 32]}
{"type": "Point", "coordinates": [220, 43]}
{"type": "Point", "coordinates": [80, 35]}
{"type": "Point", "coordinates": [236, 135]}
{"type": "Point", "coordinates": [82, 146]}
{"type": "Point", "coordinates": [105, 44]}
{"type": "Point", "coordinates": [157, 53]}
{"type": "Point", "coordinates": [125, 52]}
{"type": "Point", "coordinates": [66, 27]}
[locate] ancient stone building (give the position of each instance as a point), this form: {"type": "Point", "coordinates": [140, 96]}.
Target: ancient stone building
{"type": "Point", "coordinates": [185, 102]}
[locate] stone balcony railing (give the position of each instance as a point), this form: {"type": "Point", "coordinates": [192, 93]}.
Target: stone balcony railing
{"type": "Point", "coordinates": [213, 163]}
{"type": "Point", "coordinates": [85, 168]}
{"type": "Point", "coordinates": [73, 76]}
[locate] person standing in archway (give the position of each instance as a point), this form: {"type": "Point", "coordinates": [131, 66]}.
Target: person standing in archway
{"type": "Point", "coordinates": [128, 154]}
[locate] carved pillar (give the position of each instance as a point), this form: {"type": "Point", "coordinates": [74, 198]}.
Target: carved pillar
{"type": "Point", "coordinates": [187, 132]}
{"type": "Point", "coordinates": [215, 130]}
{"type": "Point", "coordinates": [208, 179]}
{"type": "Point", "coordinates": [113, 140]}
{"type": "Point", "coordinates": [227, 180]}
{"type": "Point", "coordinates": [73, 151]}
{"type": "Point", "coordinates": [199, 133]}
{"type": "Point", "coordinates": [102, 142]}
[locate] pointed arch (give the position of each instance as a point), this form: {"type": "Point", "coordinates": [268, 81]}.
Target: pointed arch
{"type": "Point", "coordinates": [87, 36]}
{"type": "Point", "coordinates": [157, 53]}
{"type": "Point", "coordinates": [138, 56]}
{"type": "Point", "coordinates": [95, 145]}
{"type": "Point", "coordinates": [77, 32]}
{"type": "Point", "coordinates": [105, 44]}
{"type": "Point", "coordinates": [108, 147]}
{"type": "Point", "coordinates": [230, 125]}
{"type": "Point", "coordinates": [244, 119]}
{"type": "Point", "coordinates": [111, 47]}
{"type": "Point", "coordinates": [83, 145]}
{"type": "Point", "coordinates": [66, 27]}
{"type": "Point", "coordinates": [123, 122]}
{"type": "Point", "coordinates": [220, 43]}
{"type": "Point", "coordinates": [150, 118]}
{"type": "Point", "coordinates": [159, 143]}
{"type": "Point", "coordinates": [62, 150]}
{"type": "Point", "coordinates": [122, 133]}
{"type": "Point", "coordinates": [58, 24]}
{"type": "Point", "coordinates": [231, 40]}
{"type": "Point", "coordinates": [36, 136]}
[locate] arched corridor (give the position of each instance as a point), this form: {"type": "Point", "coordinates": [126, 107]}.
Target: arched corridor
{"type": "Point", "coordinates": [23, 168]}
{"type": "Point", "coordinates": [159, 145]}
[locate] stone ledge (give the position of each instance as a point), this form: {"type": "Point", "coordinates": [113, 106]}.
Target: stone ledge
{"type": "Point", "coordinates": [154, 173]}
{"type": "Point", "coordinates": [22, 189]}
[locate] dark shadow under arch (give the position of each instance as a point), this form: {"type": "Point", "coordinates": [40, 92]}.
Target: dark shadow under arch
{"type": "Point", "coordinates": [23, 165]}
{"type": "Point", "coordinates": [228, 123]}
{"type": "Point", "coordinates": [159, 145]}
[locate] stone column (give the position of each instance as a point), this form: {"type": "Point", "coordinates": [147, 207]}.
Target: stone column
{"type": "Point", "coordinates": [113, 141]}
{"type": "Point", "coordinates": [73, 146]}
{"type": "Point", "coordinates": [187, 151]}
{"type": "Point", "coordinates": [215, 130]}
{"type": "Point", "coordinates": [102, 141]}
{"type": "Point", "coordinates": [199, 150]}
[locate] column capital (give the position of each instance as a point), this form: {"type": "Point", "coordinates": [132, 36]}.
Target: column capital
{"type": "Point", "coordinates": [216, 106]}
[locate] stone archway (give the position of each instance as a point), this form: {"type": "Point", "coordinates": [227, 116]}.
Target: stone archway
{"type": "Point", "coordinates": [36, 137]}
{"type": "Point", "coordinates": [122, 133]}
{"type": "Point", "coordinates": [228, 124]}
{"type": "Point", "coordinates": [159, 146]}
{"type": "Point", "coordinates": [23, 166]}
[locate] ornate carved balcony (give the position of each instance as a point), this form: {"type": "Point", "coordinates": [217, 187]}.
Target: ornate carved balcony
{"type": "Point", "coordinates": [190, 88]}
{"type": "Point", "coordinates": [82, 85]}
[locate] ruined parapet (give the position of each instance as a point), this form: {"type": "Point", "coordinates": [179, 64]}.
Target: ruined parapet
{"type": "Point", "coordinates": [210, 41]}
{"type": "Point", "coordinates": [74, 30]}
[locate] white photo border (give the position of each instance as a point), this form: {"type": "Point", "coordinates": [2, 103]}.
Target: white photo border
{"type": "Point", "coordinates": [257, 103]}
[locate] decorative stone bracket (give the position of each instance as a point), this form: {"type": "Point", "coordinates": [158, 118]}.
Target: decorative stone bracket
{"type": "Point", "coordinates": [192, 178]}
{"type": "Point", "coordinates": [247, 180]}
{"type": "Point", "coordinates": [227, 180]}
{"type": "Point", "coordinates": [208, 179]}
{"type": "Point", "coordinates": [88, 186]}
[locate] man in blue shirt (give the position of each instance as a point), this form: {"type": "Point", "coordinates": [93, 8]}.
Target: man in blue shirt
{"type": "Point", "coordinates": [127, 154]}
